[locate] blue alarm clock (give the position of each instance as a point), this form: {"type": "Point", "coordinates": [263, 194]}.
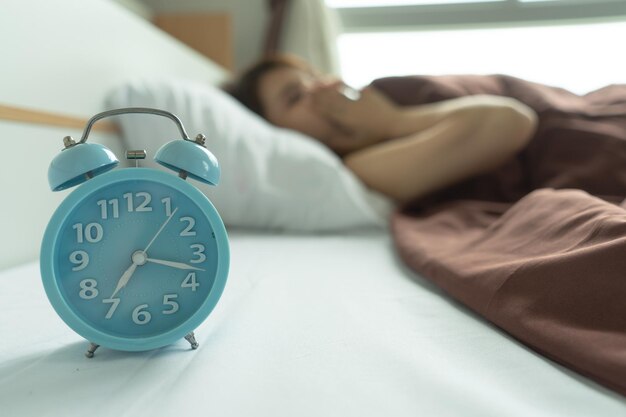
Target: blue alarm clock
{"type": "Point", "coordinates": [134, 258]}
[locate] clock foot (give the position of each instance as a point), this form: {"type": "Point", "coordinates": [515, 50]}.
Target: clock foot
{"type": "Point", "coordinates": [91, 350]}
{"type": "Point", "coordinates": [191, 338]}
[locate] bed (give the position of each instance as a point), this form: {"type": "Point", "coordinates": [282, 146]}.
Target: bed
{"type": "Point", "coordinates": [305, 337]}
{"type": "Point", "coordinates": [319, 315]}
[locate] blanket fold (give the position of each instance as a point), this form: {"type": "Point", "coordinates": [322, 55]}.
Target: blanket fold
{"type": "Point", "coordinates": [538, 247]}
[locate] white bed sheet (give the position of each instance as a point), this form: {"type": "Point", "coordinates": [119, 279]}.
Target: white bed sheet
{"type": "Point", "coordinates": [307, 326]}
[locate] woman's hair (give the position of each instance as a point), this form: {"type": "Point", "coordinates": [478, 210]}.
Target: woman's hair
{"type": "Point", "coordinates": [245, 88]}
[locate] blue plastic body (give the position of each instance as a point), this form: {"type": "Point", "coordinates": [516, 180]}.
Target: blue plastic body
{"type": "Point", "coordinates": [89, 243]}
{"type": "Point", "coordinates": [196, 160]}
{"type": "Point", "coordinates": [71, 166]}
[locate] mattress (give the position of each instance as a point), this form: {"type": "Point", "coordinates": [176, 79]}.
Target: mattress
{"type": "Point", "coordinates": [309, 325]}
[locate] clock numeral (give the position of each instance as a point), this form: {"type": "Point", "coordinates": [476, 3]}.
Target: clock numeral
{"type": "Point", "coordinates": [88, 289]}
{"type": "Point", "coordinates": [188, 231]}
{"type": "Point", "coordinates": [115, 208]}
{"type": "Point", "coordinates": [141, 316]}
{"type": "Point", "coordinates": [139, 202]}
{"type": "Point", "coordinates": [114, 303]}
{"type": "Point", "coordinates": [92, 233]}
{"type": "Point", "coordinates": [190, 282]}
{"type": "Point", "coordinates": [168, 299]}
{"type": "Point", "coordinates": [143, 206]}
{"type": "Point", "coordinates": [146, 200]}
{"type": "Point", "coordinates": [129, 200]}
{"type": "Point", "coordinates": [167, 202]}
{"type": "Point", "coordinates": [80, 258]}
{"type": "Point", "coordinates": [199, 252]}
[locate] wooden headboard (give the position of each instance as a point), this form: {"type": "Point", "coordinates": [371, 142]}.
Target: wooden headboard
{"type": "Point", "coordinates": [59, 60]}
{"type": "Point", "coordinates": [211, 34]}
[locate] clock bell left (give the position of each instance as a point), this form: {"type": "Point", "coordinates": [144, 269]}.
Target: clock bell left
{"type": "Point", "coordinates": [134, 258]}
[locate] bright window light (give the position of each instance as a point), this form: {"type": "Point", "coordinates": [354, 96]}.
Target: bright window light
{"type": "Point", "coordinates": [576, 57]}
{"type": "Point", "coordinates": [377, 3]}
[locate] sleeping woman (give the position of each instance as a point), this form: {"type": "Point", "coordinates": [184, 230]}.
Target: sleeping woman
{"type": "Point", "coordinates": [380, 141]}
{"type": "Point", "coordinates": [536, 245]}
{"type": "Point", "coordinates": [527, 229]}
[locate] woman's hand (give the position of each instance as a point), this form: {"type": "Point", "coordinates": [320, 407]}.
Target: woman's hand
{"type": "Point", "coordinates": [367, 120]}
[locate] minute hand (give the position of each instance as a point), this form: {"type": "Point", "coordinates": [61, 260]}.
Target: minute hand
{"type": "Point", "coordinates": [178, 265]}
{"type": "Point", "coordinates": [145, 251]}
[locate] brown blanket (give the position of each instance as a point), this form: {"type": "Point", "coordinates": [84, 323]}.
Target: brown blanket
{"type": "Point", "coordinates": [538, 246]}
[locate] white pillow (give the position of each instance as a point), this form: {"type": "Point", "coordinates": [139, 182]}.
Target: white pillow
{"type": "Point", "coordinates": [271, 178]}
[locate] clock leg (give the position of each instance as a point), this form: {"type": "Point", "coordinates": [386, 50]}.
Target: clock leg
{"type": "Point", "coordinates": [191, 338]}
{"type": "Point", "coordinates": [91, 350]}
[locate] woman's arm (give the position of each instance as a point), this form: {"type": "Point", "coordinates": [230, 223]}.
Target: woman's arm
{"type": "Point", "coordinates": [443, 143]}
{"type": "Point", "coordinates": [359, 123]}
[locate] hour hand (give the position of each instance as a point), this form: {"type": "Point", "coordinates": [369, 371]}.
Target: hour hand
{"type": "Point", "coordinates": [121, 283]}
{"type": "Point", "coordinates": [173, 264]}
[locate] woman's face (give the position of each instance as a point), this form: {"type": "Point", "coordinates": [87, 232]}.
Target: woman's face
{"type": "Point", "coordinates": [285, 97]}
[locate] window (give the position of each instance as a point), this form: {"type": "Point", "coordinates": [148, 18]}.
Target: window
{"type": "Point", "coordinates": [554, 42]}
{"type": "Point", "coordinates": [370, 15]}
{"type": "Point", "coordinates": [375, 3]}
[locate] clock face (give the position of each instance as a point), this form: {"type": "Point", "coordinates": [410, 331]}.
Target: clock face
{"type": "Point", "coordinates": [137, 257]}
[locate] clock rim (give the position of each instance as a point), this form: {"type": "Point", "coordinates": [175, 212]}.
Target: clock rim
{"type": "Point", "coordinates": [87, 330]}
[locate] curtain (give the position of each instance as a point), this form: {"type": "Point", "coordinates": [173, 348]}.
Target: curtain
{"type": "Point", "coordinates": [307, 28]}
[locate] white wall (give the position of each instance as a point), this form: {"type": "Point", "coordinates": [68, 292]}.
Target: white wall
{"type": "Point", "coordinates": [64, 56]}
{"type": "Point", "coordinates": [250, 19]}
{"type": "Point", "coordinates": [67, 55]}
{"type": "Point", "coordinates": [137, 7]}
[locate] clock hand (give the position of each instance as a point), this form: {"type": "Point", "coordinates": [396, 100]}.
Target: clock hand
{"type": "Point", "coordinates": [139, 258]}
{"type": "Point", "coordinates": [178, 265]}
{"type": "Point", "coordinates": [124, 278]}
{"type": "Point", "coordinates": [160, 230]}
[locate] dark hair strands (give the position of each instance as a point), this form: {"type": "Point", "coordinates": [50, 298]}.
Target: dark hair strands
{"type": "Point", "coordinates": [245, 87]}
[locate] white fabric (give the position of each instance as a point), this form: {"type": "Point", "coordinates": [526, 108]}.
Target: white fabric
{"type": "Point", "coordinates": [307, 326]}
{"type": "Point", "coordinates": [271, 178]}
{"type": "Point", "coordinates": [310, 31]}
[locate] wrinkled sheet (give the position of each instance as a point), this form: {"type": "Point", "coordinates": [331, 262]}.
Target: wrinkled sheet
{"type": "Point", "coordinates": [307, 326]}
{"type": "Point", "coordinates": [538, 246]}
